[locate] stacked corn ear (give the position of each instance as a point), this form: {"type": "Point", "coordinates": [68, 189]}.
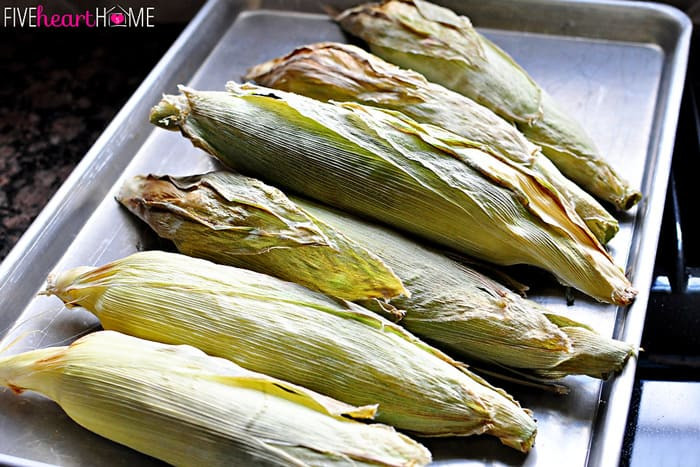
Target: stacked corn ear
{"type": "Point", "coordinates": [447, 49]}
{"type": "Point", "coordinates": [179, 405]}
{"type": "Point", "coordinates": [471, 314]}
{"type": "Point", "coordinates": [341, 72]}
{"type": "Point", "coordinates": [451, 305]}
{"type": "Point", "coordinates": [419, 178]}
{"type": "Point", "coordinates": [255, 226]}
{"type": "Point", "coordinates": [290, 332]}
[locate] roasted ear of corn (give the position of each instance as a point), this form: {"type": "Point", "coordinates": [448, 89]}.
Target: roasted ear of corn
{"type": "Point", "coordinates": [471, 314]}
{"type": "Point", "coordinates": [258, 227]}
{"type": "Point", "coordinates": [419, 178]}
{"type": "Point", "coordinates": [290, 332]}
{"type": "Point", "coordinates": [447, 49]}
{"type": "Point", "coordinates": [181, 406]}
{"type": "Point", "coordinates": [452, 305]}
{"type": "Point", "coordinates": [341, 72]}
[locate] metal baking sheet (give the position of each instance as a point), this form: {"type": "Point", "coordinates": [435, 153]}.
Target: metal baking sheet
{"type": "Point", "coordinates": [617, 66]}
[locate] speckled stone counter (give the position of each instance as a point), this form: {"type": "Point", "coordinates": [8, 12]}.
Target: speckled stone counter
{"type": "Point", "coordinates": [58, 91]}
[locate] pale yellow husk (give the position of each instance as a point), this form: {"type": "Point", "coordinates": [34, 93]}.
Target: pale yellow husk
{"type": "Point", "coordinates": [470, 314]}
{"type": "Point", "coordinates": [447, 50]}
{"type": "Point", "coordinates": [417, 177]}
{"type": "Point", "coordinates": [290, 332]}
{"type": "Point", "coordinates": [240, 221]}
{"type": "Point", "coordinates": [341, 72]}
{"type": "Point", "coordinates": [452, 305]}
{"type": "Point", "coordinates": [179, 405]}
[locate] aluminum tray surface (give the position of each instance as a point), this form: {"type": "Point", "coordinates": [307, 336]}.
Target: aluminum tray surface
{"type": "Point", "coordinates": [617, 67]}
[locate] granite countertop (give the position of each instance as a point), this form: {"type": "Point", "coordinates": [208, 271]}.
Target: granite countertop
{"type": "Point", "coordinates": [60, 90]}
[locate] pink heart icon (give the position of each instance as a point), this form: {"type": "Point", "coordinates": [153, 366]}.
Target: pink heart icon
{"type": "Point", "coordinates": [116, 18]}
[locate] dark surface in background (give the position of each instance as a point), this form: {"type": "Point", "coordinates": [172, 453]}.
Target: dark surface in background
{"type": "Point", "coordinates": [672, 329]}
{"type": "Point", "coordinates": [668, 372]}
{"type": "Point", "coordinates": [59, 90]}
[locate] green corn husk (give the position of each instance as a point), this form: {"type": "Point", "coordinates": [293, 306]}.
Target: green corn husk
{"type": "Point", "coordinates": [447, 49]}
{"type": "Point", "coordinates": [332, 71]}
{"type": "Point", "coordinates": [256, 226]}
{"type": "Point", "coordinates": [179, 405]}
{"type": "Point", "coordinates": [290, 332]}
{"type": "Point", "coordinates": [452, 304]}
{"type": "Point", "coordinates": [473, 315]}
{"type": "Point", "coordinates": [419, 178]}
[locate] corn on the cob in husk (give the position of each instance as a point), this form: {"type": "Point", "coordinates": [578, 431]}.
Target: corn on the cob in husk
{"type": "Point", "coordinates": [420, 178]}
{"type": "Point", "coordinates": [179, 405]}
{"type": "Point", "coordinates": [290, 332]}
{"type": "Point", "coordinates": [447, 49]}
{"type": "Point", "coordinates": [342, 72]}
{"type": "Point", "coordinates": [255, 226]}
{"type": "Point", "coordinates": [467, 312]}
{"type": "Point", "coordinates": [451, 304]}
